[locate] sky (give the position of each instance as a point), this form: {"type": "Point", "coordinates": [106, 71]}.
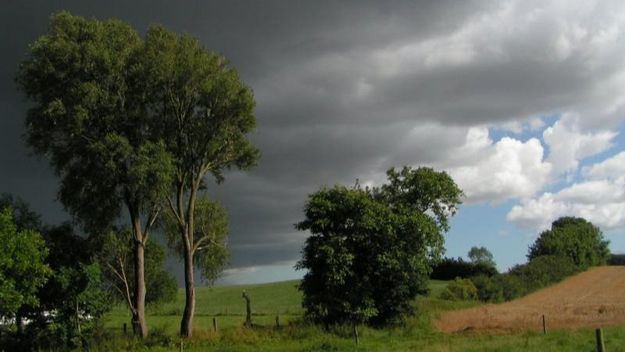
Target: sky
{"type": "Point", "coordinates": [521, 102]}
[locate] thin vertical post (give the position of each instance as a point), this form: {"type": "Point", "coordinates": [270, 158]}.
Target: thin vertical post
{"type": "Point", "coordinates": [125, 329]}
{"type": "Point", "coordinates": [544, 325]}
{"type": "Point", "coordinates": [600, 344]}
{"type": "Point", "coordinates": [277, 321]}
{"type": "Point", "coordinates": [214, 324]}
{"type": "Point", "coordinates": [356, 333]}
{"type": "Point", "coordinates": [248, 310]}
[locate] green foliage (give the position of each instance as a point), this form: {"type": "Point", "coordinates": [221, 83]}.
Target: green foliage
{"type": "Point", "coordinates": [209, 248]}
{"type": "Point", "coordinates": [481, 255]}
{"type": "Point", "coordinates": [22, 265]}
{"type": "Point", "coordinates": [460, 290]}
{"type": "Point", "coordinates": [114, 253]}
{"type": "Point", "coordinates": [25, 218]}
{"type": "Point", "coordinates": [204, 108]}
{"type": "Point", "coordinates": [487, 288]}
{"type": "Point", "coordinates": [450, 268]}
{"type": "Point", "coordinates": [422, 190]}
{"type": "Point", "coordinates": [523, 279]}
{"type": "Point", "coordinates": [573, 238]}
{"type": "Point", "coordinates": [161, 286]}
{"type": "Point", "coordinates": [371, 250]}
{"type": "Point", "coordinates": [543, 271]}
{"type": "Point", "coordinates": [88, 120]}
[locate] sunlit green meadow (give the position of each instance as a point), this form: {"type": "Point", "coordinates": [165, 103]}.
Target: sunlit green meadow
{"type": "Point", "coordinates": [282, 299]}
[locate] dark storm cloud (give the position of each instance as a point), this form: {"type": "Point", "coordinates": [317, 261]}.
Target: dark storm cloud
{"type": "Point", "coordinates": [344, 90]}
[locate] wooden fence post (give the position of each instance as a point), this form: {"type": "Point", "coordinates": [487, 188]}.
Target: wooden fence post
{"type": "Point", "coordinates": [215, 324]}
{"type": "Point", "coordinates": [544, 325]}
{"type": "Point", "coordinates": [277, 321]}
{"type": "Point", "coordinates": [125, 329]}
{"type": "Point", "coordinates": [248, 310]}
{"type": "Point", "coordinates": [356, 333]}
{"type": "Point", "coordinates": [600, 344]}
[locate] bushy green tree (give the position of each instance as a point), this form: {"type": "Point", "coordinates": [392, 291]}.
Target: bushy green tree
{"type": "Point", "coordinates": [90, 119]}
{"type": "Point", "coordinates": [22, 265]}
{"type": "Point", "coordinates": [481, 255]}
{"type": "Point", "coordinates": [371, 250]}
{"type": "Point", "coordinates": [574, 238]}
{"type": "Point", "coordinates": [73, 299]}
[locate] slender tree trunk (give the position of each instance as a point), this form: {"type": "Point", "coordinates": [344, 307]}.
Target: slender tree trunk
{"type": "Point", "coordinates": [139, 324]}
{"type": "Point", "coordinates": [186, 325]}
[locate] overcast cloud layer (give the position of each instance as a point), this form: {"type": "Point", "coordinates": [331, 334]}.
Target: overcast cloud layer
{"type": "Point", "coordinates": [512, 98]}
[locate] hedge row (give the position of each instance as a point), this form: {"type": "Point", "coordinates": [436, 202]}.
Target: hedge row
{"type": "Point", "coordinates": [518, 281]}
{"type": "Point", "coordinates": [451, 268]}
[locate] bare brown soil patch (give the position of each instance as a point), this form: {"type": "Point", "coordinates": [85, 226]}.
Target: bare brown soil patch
{"type": "Point", "coordinates": [594, 298]}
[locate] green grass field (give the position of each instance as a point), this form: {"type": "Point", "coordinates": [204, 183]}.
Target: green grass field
{"type": "Point", "coordinates": [283, 299]}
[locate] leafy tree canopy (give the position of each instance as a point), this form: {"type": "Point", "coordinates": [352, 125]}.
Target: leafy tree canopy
{"type": "Point", "coordinates": [371, 250]}
{"type": "Point", "coordinates": [209, 248]}
{"type": "Point", "coordinates": [22, 265]}
{"type": "Point", "coordinates": [574, 238]}
{"type": "Point", "coordinates": [481, 255]}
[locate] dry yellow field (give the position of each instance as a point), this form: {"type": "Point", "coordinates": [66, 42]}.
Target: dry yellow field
{"type": "Point", "coordinates": [592, 299]}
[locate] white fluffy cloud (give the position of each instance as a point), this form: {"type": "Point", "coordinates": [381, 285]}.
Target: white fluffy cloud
{"type": "Point", "coordinates": [610, 168]}
{"type": "Point", "coordinates": [600, 199]}
{"type": "Point", "coordinates": [506, 169]}
{"type": "Point", "coordinates": [568, 144]}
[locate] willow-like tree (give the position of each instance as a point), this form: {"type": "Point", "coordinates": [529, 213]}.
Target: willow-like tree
{"type": "Point", "coordinates": [206, 113]}
{"type": "Point", "coordinates": [90, 120]}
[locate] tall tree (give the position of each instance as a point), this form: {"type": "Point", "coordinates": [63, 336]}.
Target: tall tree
{"type": "Point", "coordinates": [90, 120]}
{"type": "Point", "coordinates": [206, 112]}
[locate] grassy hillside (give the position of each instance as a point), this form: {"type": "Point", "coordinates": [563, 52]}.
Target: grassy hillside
{"type": "Point", "coordinates": [282, 298]}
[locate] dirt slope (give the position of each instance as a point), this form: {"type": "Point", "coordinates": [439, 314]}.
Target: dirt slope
{"type": "Point", "coordinates": [594, 298]}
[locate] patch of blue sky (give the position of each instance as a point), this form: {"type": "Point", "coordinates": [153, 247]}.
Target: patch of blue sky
{"type": "Point", "coordinates": [485, 225]}
{"type": "Point", "coordinates": [526, 133]}
{"type": "Point", "coordinates": [618, 145]}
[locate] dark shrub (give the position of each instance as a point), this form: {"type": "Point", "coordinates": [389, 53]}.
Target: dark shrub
{"type": "Point", "coordinates": [511, 286]}
{"type": "Point", "coordinates": [487, 290]}
{"type": "Point", "coordinates": [460, 290]}
{"type": "Point", "coordinates": [543, 271]}
{"type": "Point", "coordinates": [523, 279]}
{"type": "Point", "coordinates": [616, 259]}
{"type": "Point", "coordinates": [451, 268]}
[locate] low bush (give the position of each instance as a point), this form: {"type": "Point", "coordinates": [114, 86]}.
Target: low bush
{"type": "Point", "coordinates": [523, 279]}
{"type": "Point", "coordinates": [460, 290]}
{"type": "Point", "coordinates": [616, 259]}
{"type": "Point", "coordinates": [451, 268]}
{"type": "Point", "coordinates": [487, 289]}
{"type": "Point", "coordinates": [543, 271]}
